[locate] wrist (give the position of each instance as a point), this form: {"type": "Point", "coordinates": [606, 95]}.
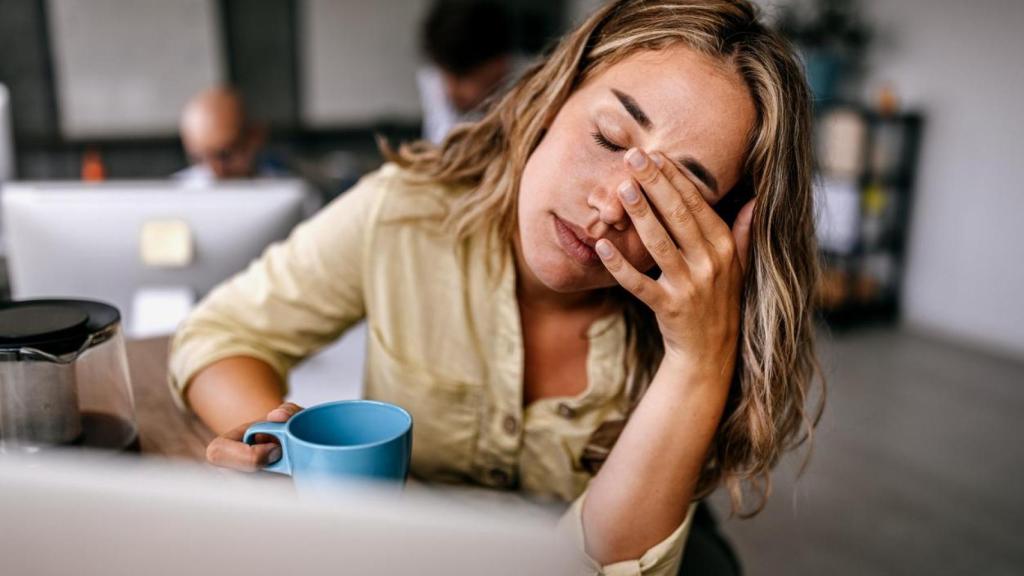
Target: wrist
{"type": "Point", "coordinates": [685, 371]}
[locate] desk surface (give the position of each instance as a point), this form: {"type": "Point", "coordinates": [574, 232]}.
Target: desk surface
{"type": "Point", "coordinates": [164, 430]}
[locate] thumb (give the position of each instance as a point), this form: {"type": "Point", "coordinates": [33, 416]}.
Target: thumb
{"type": "Point", "coordinates": [283, 412]}
{"type": "Point", "coordinates": [741, 233]}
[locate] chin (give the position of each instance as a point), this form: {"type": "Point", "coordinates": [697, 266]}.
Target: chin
{"type": "Point", "coordinates": [560, 274]}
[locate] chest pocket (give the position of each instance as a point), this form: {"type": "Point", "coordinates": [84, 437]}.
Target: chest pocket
{"type": "Point", "coordinates": [445, 410]}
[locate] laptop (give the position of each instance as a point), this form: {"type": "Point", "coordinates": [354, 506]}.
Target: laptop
{"type": "Point", "coordinates": [111, 515]}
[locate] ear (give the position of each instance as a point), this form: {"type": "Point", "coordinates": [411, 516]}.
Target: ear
{"type": "Point", "coordinates": [741, 233]}
{"type": "Point", "coordinates": [730, 205]}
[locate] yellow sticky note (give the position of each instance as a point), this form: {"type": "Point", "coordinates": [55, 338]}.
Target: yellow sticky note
{"type": "Point", "coordinates": [166, 243]}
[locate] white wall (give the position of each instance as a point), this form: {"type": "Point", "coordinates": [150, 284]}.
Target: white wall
{"type": "Point", "coordinates": [127, 67]}
{"type": "Point", "coordinates": [962, 64]}
{"type": "Point", "coordinates": [359, 60]}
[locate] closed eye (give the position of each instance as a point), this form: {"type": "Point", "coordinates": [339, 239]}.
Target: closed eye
{"type": "Point", "coordinates": [605, 143]}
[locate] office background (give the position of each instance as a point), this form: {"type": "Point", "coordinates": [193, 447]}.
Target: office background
{"type": "Point", "coordinates": [323, 76]}
{"type": "Point", "coordinates": [305, 68]}
{"type": "Point", "coordinates": [917, 462]}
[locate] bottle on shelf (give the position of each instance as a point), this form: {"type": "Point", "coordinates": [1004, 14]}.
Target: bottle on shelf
{"type": "Point", "coordinates": [93, 169]}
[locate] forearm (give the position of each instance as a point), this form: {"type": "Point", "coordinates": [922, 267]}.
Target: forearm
{"type": "Point", "coordinates": [234, 391]}
{"type": "Point", "coordinates": [642, 492]}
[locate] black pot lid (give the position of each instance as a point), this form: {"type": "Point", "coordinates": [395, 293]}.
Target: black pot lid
{"type": "Point", "coordinates": [53, 326]}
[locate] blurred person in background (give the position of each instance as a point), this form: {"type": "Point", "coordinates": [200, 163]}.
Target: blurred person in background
{"type": "Point", "coordinates": [222, 141]}
{"type": "Point", "coordinates": [468, 45]}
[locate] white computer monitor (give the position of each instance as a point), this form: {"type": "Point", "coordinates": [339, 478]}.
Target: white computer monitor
{"type": "Point", "coordinates": [112, 516]}
{"type": "Point", "coordinates": [149, 248]}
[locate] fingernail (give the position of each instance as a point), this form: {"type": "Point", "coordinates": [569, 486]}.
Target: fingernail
{"type": "Point", "coordinates": [656, 158]}
{"type": "Point", "coordinates": [274, 455]}
{"type": "Point", "coordinates": [603, 248]}
{"type": "Point", "coordinates": [636, 158]}
{"type": "Point", "coordinates": [628, 192]}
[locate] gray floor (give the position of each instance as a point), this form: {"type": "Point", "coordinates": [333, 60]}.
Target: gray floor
{"type": "Point", "coordinates": [917, 467]}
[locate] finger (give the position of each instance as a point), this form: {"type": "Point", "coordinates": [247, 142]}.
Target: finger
{"type": "Point", "coordinates": [741, 233]}
{"type": "Point", "coordinates": [283, 412]}
{"type": "Point", "coordinates": [652, 232]}
{"type": "Point", "coordinates": [671, 203]}
{"type": "Point", "coordinates": [644, 288]}
{"type": "Point", "coordinates": [236, 455]}
{"type": "Point", "coordinates": [695, 195]}
{"type": "Point", "coordinates": [236, 433]}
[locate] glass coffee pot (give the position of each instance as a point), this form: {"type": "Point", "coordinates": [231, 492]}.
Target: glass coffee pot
{"type": "Point", "coordinates": [64, 378]}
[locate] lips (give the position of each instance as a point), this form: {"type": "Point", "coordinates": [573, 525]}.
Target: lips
{"type": "Point", "coordinates": [575, 243]}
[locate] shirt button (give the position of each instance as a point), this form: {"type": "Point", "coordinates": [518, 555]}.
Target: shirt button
{"type": "Point", "coordinates": [566, 411]}
{"type": "Point", "coordinates": [498, 476]}
{"type": "Point", "coordinates": [510, 425]}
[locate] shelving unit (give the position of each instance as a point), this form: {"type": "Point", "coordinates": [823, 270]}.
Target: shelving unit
{"type": "Point", "coordinates": [866, 174]}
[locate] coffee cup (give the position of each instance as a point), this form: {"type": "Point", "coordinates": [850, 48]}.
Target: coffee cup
{"type": "Point", "coordinates": [341, 442]}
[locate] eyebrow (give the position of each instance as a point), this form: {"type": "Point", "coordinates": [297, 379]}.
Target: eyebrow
{"type": "Point", "coordinates": [634, 109]}
{"type": "Point", "coordinates": [689, 162]}
{"type": "Point", "coordinates": [700, 172]}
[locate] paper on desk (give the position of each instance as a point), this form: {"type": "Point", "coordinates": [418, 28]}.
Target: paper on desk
{"type": "Point", "coordinates": [157, 311]}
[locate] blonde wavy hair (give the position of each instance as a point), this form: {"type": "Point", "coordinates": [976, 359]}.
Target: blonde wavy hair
{"type": "Point", "coordinates": [768, 411]}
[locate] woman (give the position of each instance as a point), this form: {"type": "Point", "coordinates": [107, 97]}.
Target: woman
{"type": "Point", "coordinates": [600, 292]}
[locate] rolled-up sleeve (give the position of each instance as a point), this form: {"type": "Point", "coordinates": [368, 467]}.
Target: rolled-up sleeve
{"type": "Point", "coordinates": [662, 559]}
{"type": "Point", "coordinates": [300, 295]}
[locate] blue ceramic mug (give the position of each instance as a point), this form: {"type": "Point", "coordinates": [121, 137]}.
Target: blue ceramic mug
{"type": "Point", "coordinates": [338, 442]}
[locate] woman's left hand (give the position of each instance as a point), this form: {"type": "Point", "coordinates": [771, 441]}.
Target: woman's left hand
{"type": "Point", "coordinates": [696, 299]}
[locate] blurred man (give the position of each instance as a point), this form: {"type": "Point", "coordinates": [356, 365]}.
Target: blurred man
{"type": "Point", "coordinates": [469, 48]}
{"type": "Point", "coordinates": [221, 141]}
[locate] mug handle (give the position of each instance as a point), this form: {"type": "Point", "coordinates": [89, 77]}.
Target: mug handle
{"type": "Point", "coordinates": [276, 429]}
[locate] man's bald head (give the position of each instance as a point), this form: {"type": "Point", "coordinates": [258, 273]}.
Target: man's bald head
{"type": "Point", "coordinates": [216, 132]}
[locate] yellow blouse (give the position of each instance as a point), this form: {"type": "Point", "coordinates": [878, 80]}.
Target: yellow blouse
{"type": "Point", "coordinates": [445, 343]}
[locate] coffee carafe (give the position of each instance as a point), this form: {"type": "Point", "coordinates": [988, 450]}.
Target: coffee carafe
{"type": "Point", "coordinates": [64, 378]}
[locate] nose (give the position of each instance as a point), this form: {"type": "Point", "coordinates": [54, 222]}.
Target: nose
{"type": "Point", "coordinates": [609, 209]}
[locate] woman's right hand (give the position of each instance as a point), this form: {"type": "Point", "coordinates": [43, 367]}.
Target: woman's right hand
{"type": "Point", "coordinates": [228, 450]}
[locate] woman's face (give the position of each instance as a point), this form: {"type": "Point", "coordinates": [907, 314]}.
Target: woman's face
{"type": "Point", "coordinates": [694, 110]}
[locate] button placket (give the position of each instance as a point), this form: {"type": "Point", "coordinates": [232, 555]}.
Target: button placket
{"type": "Point", "coordinates": [510, 424]}
{"type": "Point", "coordinates": [498, 477]}
{"type": "Point", "coordinates": [500, 442]}
{"type": "Point", "coordinates": [566, 411]}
